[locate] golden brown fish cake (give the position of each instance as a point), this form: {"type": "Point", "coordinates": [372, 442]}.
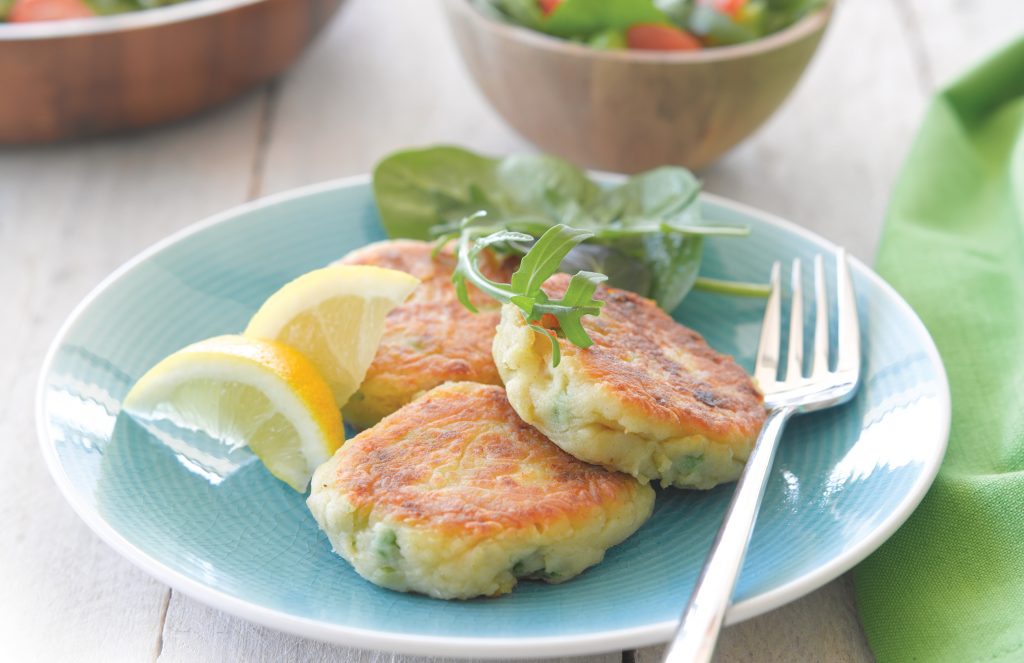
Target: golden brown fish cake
{"type": "Point", "coordinates": [650, 397]}
{"type": "Point", "coordinates": [455, 496]}
{"type": "Point", "coordinates": [431, 338]}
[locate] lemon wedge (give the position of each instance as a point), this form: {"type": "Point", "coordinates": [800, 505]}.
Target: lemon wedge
{"type": "Point", "coordinates": [246, 391]}
{"type": "Point", "coordinates": [335, 317]}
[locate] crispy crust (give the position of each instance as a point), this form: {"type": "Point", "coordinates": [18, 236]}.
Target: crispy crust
{"type": "Point", "coordinates": [663, 371]}
{"type": "Point", "coordinates": [460, 461]}
{"type": "Point", "coordinates": [431, 338]}
{"type": "Point", "coordinates": [649, 397]}
{"type": "Point", "coordinates": [454, 496]}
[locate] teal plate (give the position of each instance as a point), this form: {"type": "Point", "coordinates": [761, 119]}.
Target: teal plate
{"type": "Point", "coordinates": [222, 530]}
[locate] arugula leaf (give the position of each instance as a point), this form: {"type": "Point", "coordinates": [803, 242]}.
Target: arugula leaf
{"type": "Point", "coordinates": [556, 351]}
{"type": "Point", "coordinates": [736, 288]}
{"type": "Point", "coordinates": [468, 266]}
{"type": "Point", "coordinates": [580, 294]}
{"type": "Point", "coordinates": [524, 291]}
{"type": "Point", "coordinates": [545, 257]}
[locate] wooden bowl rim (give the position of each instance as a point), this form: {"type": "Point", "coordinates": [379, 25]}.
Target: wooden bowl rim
{"type": "Point", "coordinates": [96, 25]}
{"type": "Point", "coordinates": [805, 27]}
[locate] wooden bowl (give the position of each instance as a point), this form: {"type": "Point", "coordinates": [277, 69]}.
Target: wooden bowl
{"type": "Point", "coordinates": [628, 111]}
{"type": "Point", "coordinates": [83, 77]}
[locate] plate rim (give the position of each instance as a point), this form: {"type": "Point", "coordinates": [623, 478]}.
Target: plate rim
{"type": "Point", "coordinates": [500, 647]}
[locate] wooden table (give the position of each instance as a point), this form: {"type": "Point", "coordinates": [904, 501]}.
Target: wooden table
{"type": "Point", "coordinates": [385, 76]}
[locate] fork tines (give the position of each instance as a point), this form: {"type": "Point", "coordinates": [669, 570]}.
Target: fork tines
{"type": "Point", "coordinates": [847, 352]}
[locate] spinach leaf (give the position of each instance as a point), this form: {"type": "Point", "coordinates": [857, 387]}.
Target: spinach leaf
{"type": "Point", "coordinates": [420, 191]}
{"type": "Point", "coordinates": [624, 272]}
{"type": "Point", "coordinates": [547, 187]}
{"type": "Point", "coordinates": [666, 194]}
{"type": "Point", "coordinates": [673, 260]}
{"type": "Point", "coordinates": [422, 194]}
{"type": "Point", "coordinates": [661, 197]}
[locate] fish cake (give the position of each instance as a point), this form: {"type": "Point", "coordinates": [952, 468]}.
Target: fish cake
{"type": "Point", "coordinates": [455, 496]}
{"type": "Point", "coordinates": [431, 338]}
{"type": "Point", "coordinates": [650, 397]}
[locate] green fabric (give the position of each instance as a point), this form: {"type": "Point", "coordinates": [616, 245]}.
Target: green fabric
{"type": "Point", "coordinates": [949, 586]}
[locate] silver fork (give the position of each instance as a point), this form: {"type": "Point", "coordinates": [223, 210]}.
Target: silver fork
{"type": "Point", "coordinates": [795, 393]}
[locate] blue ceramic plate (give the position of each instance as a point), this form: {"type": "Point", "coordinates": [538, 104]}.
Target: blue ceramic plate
{"type": "Point", "coordinates": [224, 531]}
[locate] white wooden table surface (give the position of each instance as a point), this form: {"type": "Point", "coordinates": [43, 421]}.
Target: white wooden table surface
{"type": "Point", "coordinates": [385, 76]}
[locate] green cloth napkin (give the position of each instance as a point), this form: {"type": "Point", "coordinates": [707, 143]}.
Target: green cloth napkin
{"type": "Point", "coordinates": [949, 585]}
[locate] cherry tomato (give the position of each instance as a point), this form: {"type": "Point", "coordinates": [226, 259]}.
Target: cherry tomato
{"type": "Point", "coordinates": [548, 6]}
{"type": "Point", "coordinates": [549, 321]}
{"type": "Point", "coordinates": [47, 10]}
{"type": "Point", "coordinates": [656, 37]}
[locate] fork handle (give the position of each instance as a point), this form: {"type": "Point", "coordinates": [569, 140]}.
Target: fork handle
{"type": "Point", "coordinates": [694, 641]}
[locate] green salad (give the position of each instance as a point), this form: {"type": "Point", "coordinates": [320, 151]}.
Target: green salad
{"type": "Point", "coordinates": [644, 234]}
{"type": "Point", "coordinates": [659, 25]}
{"type": "Point", "coordinates": [27, 11]}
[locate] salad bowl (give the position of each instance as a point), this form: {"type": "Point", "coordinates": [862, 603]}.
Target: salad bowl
{"type": "Point", "coordinates": [626, 110]}
{"type": "Point", "coordinates": [82, 77]}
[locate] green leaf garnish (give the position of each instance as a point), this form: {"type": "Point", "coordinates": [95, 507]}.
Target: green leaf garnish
{"type": "Point", "coordinates": [556, 351]}
{"type": "Point", "coordinates": [544, 258]}
{"type": "Point", "coordinates": [540, 263]}
{"type": "Point", "coordinates": [735, 288]}
{"type": "Point", "coordinates": [648, 230]}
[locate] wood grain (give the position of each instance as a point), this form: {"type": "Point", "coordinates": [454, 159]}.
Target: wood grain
{"type": "Point", "coordinates": [311, 139]}
{"type": "Point", "coordinates": [71, 213]}
{"type": "Point", "coordinates": [75, 86]}
{"type": "Point", "coordinates": [198, 634]}
{"type": "Point", "coordinates": [820, 627]}
{"type": "Point", "coordinates": [954, 35]}
{"type": "Point", "coordinates": [355, 99]}
{"type": "Point", "coordinates": [69, 216]}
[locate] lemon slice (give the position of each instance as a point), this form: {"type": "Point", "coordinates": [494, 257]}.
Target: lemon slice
{"type": "Point", "coordinates": [335, 317]}
{"type": "Point", "coordinates": [246, 391]}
